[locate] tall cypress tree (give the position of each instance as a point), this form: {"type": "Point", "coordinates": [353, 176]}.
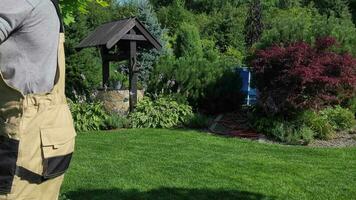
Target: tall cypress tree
{"type": "Point", "coordinates": [254, 25]}
{"type": "Point", "coordinates": [188, 43]}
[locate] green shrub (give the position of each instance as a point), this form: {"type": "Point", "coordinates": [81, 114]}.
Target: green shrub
{"type": "Point", "coordinates": [115, 121]}
{"type": "Point", "coordinates": [284, 131]}
{"type": "Point", "coordinates": [264, 125]}
{"type": "Point", "coordinates": [352, 105]}
{"type": "Point", "coordinates": [88, 116]}
{"type": "Point", "coordinates": [291, 133]}
{"type": "Point", "coordinates": [224, 95]}
{"type": "Point", "coordinates": [301, 135]}
{"type": "Point", "coordinates": [318, 123]}
{"type": "Point", "coordinates": [340, 118]}
{"type": "Point", "coordinates": [163, 112]}
{"type": "Point", "coordinates": [198, 121]}
{"type": "Point", "coordinates": [208, 86]}
{"type": "Point", "coordinates": [306, 126]}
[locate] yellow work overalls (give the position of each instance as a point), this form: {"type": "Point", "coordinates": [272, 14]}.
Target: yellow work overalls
{"type": "Point", "coordinates": [36, 139]}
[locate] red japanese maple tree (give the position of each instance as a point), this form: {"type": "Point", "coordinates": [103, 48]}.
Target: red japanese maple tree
{"type": "Point", "coordinates": [301, 76]}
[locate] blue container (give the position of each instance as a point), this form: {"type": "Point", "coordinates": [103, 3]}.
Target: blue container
{"type": "Point", "coordinates": [251, 93]}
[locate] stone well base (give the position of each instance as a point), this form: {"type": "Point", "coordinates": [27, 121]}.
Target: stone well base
{"type": "Point", "coordinates": [117, 101]}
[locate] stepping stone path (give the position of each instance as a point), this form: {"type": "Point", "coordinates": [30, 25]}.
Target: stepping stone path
{"type": "Point", "coordinates": [234, 125]}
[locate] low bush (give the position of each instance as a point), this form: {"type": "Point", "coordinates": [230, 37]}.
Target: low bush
{"type": "Point", "coordinates": [284, 131]}
{"type": "Point", "coordinates": [352, 105]}
{"type": "Point", "coordinates": [163, 112]}
{"type": "Point", "coordinates": [306, 126]}
{"type": "Point", "coordinates": [340, 118]}
{"type": "Point", "coordinates": [198, 121]}
{"type": "Point", "coordinates": [263, 124]}
{"type": "Point", "coordinates": [299, 135]}
{"type": "Point", "coordinates": [302, 135]}
{"type": "Point", "coordinates": [115, 121]}
{"type": "Point", "coordinates": [88, 116]}
{"type": "Point", "coordinates": [318, 123]}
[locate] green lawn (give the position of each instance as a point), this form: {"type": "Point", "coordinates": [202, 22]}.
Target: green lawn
{"type": "Point", "coordinates": [173, 164]}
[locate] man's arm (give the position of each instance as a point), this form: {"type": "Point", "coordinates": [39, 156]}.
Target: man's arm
{"type": "Point", "coordinates": [12, 15]}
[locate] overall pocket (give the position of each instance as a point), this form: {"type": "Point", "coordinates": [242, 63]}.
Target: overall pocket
{"type": "Point", "coordinates": [9, 149]}
{"type": "Point", "coordinates": [57, 149]}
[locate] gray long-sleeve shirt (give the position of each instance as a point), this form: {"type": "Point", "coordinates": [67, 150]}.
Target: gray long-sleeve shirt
{"type": "Point", "coordinates": [29, 34]}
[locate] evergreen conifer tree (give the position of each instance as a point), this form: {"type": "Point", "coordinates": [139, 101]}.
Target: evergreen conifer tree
{"type": "Point", "coordinates": [147, 58]}
{"type": "Point", "coordinates": [254, 25]}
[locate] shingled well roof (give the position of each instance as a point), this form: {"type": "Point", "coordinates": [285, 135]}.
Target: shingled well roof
{"type": "Point", "coordinates": [111, 33]}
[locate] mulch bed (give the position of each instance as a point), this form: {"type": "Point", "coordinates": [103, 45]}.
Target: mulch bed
{"type": "Point", "coordinates": [234, 125]}
{"type": "Point", "coordinates": [237, 125]}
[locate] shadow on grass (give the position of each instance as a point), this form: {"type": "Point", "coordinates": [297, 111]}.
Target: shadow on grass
{"type": "Point", "coordinates": [162, 194]}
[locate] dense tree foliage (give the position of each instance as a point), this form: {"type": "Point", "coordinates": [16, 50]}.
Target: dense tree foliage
{"type": "Point", "coordinates": [204, 40]}
{"type": "Point", "coordinates": [338, 8]}
{"type": "Point", "coordinates": [199, 80]}
{"type": "Point", "coordinates": [174, 15]}
{"type": "Point", "coordinates": [227, 28]}
{"type": "Point", "coordinates": [188, 42]}
{"type": "Point", "coordinates": [72, 7]}
{"type": "Point", "coordinates": [207, 6]}
{"type": "Point", "coordinates": [306, 24]}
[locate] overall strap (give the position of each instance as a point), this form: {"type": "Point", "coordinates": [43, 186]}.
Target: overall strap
{"type": "Point", "coordinates": [59, 86]}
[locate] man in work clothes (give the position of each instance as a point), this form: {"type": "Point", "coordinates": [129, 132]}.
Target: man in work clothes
{"type": "Point", "coordinates": [36, 126]}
